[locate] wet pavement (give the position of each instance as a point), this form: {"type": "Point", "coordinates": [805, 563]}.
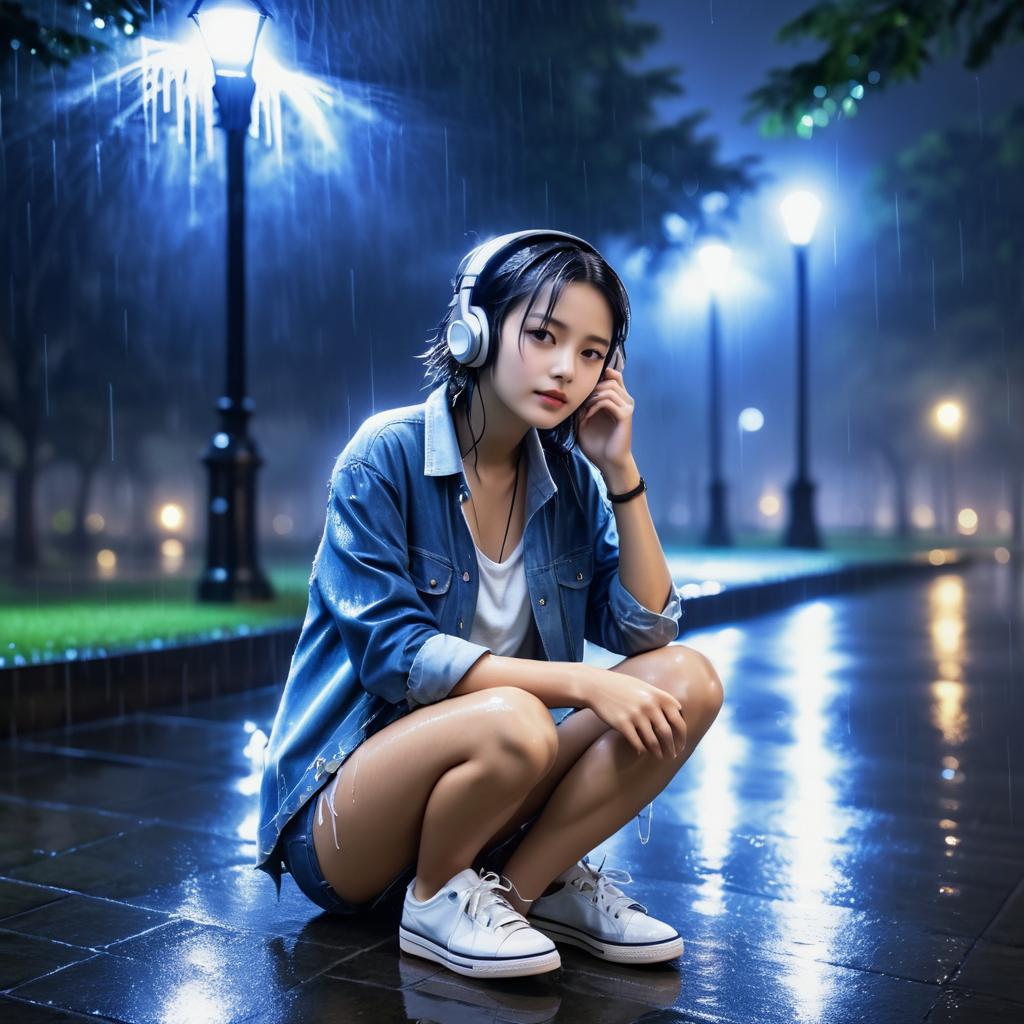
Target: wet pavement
{"type": "Point", "coordinates": [846, 844]}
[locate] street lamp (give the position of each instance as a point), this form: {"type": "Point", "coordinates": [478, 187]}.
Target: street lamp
{"type": "Point", "coordinates": [231, 30]}
{"type": "Point", "coordinates": [948, 417]}
{"type": "Point", "coordinates": [714, 259]}
{"type": "Point", "coordinates": [800, 211]}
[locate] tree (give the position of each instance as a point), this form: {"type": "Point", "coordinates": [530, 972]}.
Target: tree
{"type": "Point", "coordinates": [947, 216]}
{"type": "Point", "coordinates": [875, 43]}
{"type": "Point", "coordinates": [58, 31]}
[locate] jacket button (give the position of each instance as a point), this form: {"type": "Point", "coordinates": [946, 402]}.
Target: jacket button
{"type": "Point", "coordinates": [465, 576]}
{"type": "Point", "coordinates": [433, 583]}
{"type": "Point", "coordinates": [541, 601]}
{"type": "Point", "coordinates": [460, 623]}
{"type": "Point", "coordinates": [579, 575]}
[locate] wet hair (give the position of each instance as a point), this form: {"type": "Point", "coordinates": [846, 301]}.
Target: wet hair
{"type": "Point", "coordinates": [522, 274]}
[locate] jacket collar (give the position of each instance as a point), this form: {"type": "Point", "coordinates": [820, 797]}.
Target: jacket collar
{"type": "Point", "coordinates": [441, 455]}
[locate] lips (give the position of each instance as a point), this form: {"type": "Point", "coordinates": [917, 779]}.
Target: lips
{"type": "Point", "coordinates": [555, 398]}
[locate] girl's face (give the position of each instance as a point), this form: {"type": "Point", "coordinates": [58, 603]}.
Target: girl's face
{"type": "Point", "coordinates": [566, 355]}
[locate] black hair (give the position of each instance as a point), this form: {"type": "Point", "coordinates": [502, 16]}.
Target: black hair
{"type": "Point", "coordinates": [522, 273]}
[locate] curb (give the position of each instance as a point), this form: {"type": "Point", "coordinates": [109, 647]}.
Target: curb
{"type": "Point", "coordinates": [65, 693]}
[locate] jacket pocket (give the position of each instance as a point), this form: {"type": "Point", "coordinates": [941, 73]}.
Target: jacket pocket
{"type": "Point", "coordinates": [432, 576]}
{"type": "Point", "coordinates": [573, 573]}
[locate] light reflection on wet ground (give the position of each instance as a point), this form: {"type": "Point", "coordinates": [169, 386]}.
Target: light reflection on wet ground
{"type": "Point", "coordinates": [847, 843]}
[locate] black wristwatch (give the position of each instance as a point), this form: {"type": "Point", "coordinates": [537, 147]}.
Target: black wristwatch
{"type": "Point", "coordinates": [639, 489]}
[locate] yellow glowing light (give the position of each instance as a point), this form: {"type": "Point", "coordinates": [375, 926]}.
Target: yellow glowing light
{"type": "Point", "coordinates": [106, 559]}
{"type": "Point", "coordinates": [947, 823]}
{"type": "Point", "coordinates": [768, 505]}
{"type": "Point", "coordinates": [923, 517]}
{"type": "Point", "coordinates": [947, 713]}
{"type": "Point", "coordinates": [949, 417]}
{"type": "Point", "coordinates": [937, 556]}
{"type": "Point", "coordinates": [172, 548]}
{"type": "Point", "coordinates": [952, 841]}
{"type": "Point", "coordinates": [1002, 555]}
{"type": "Point", "coordinates": [967, 520]}
{"type": "Point", "coordinates": [94, 522]}
{"type": "Point", "coordinates": [949, 669]}
{"type": "Point", "coordinates": [948, 593]}
{"type": "Point", "coordinates": [171, 516]}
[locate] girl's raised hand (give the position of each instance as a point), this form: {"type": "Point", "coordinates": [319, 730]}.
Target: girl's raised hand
{"type": "Point", "coordinates": [605, 430]}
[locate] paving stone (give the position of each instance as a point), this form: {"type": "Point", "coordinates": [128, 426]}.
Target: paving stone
{"type": "Point", "coordinates": [847, 843]}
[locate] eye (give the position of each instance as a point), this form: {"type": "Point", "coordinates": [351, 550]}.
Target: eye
{"type": "Point", "coordinates": [597, 355]}
{"type": "Point", "coordinates": [538, 331]}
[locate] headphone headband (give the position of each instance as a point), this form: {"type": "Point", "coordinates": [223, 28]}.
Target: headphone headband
{"type": "Point", "coordinates": [479, 258]}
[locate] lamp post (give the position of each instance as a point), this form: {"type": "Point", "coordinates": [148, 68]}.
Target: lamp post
{"type": "Point", "coordinates": [948, 417]}
{"type": "Point", "coordinates": [231, 31]}
{"type": "Point", "coordinates": [749, 421]}
{"type": "Point", "coordinates": [714, 259]}
{"type": "Point", "coordinates": [800, 212]}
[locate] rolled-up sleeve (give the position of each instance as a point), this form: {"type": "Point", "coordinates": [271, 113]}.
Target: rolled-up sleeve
{"type": "Point", "coordinates": [362, 574]}
{"type": "Point", "coordinates": [616, 620]}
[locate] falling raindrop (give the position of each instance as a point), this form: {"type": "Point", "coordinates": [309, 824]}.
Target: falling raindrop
{"type": "Point", "coordinates": [934, 317]}
{"type": "Point", "coordinates": [110, 406]}
{"type": "Point", "coordinates": [899, 240]}
{"type": "Point", "coordinates": [46, 374]}
{"type": "Point", "coordinates": [960, 227]}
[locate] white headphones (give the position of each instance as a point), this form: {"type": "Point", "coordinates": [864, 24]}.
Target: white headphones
{"type": "Point", "coordinates": [467, 335]}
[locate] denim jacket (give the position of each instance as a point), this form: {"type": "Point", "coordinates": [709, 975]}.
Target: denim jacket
{"type": "Point", "coordinates": [393, 590]}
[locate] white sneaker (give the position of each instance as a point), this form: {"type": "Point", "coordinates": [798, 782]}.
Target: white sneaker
{"type": "Point", "coordinates": [470, 928]}
{"type": "Point", "coordinates": [589, 911]}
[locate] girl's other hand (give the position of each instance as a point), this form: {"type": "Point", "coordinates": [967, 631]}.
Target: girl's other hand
{"type": "Point", "coordinates": [651, 719]}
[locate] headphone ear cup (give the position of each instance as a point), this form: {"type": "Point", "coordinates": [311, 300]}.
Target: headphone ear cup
{"type": "Point", "coordinates": [483, 334]}
{"type": "Point", "coordinates": [617, 361]}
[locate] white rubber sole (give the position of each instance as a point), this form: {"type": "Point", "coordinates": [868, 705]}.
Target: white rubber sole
{"type": "Point", "coordinates": [618, 953]}
{"type": "Point", "coordinates": [477, 967]}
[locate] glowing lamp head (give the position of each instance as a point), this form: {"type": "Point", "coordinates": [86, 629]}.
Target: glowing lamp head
{"type": "Point", "coordinates": [231, 31]}
{"type": "Point", "coordinates": [949, 417]}
{"type": "Point", "coordinates": [800, 211]}
{"type": "Point", "coordinates": [714, 259]}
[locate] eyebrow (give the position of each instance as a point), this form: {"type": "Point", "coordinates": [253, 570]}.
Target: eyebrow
{"type": "Point", "coordinates": [558, 323]}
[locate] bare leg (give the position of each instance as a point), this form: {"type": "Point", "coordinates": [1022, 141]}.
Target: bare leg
{"type": "Point", "coordinates": [430, 789]}
{"type": "Point", "coordinates": [467, 804]}
{"type": "Point", "coordinates": [608, 785]}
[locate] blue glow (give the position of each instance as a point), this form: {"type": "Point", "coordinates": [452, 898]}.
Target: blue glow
{"type": "Point", "coordinates": [230, 34]}
{"type": "Point", "coordinates": [751, 420]}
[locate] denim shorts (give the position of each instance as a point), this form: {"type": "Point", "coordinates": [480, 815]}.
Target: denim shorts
{"type": "Point", "coordinates": [300, 856]}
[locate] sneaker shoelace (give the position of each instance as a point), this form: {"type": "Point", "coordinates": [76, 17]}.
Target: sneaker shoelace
{"type": "Point", "coordinates": [605, 891]}
{"type": "Point", "coordinates": [487, 906]}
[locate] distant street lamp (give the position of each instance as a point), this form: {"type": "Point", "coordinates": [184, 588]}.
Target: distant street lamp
{"type": "Point", "coordinates": [714, 259]}
{"type": "Point", "coordinates": [800, 211]}
{"type": "Point", "coordinates": [231, 30]}
{"type": "Point", "coordinates": [948, 417]}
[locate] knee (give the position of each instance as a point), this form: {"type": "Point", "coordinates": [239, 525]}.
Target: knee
{"type": "Point", "coordinates": [692, 679]}
{"type": "Point", "coordinates": [520, 726]}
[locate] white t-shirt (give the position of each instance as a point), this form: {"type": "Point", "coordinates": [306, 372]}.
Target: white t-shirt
{"type": "Point", "coordinates": [504, 621]}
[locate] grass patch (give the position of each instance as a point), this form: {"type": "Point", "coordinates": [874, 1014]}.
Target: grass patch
{"type": "Point", "coordinates": [55, 619]}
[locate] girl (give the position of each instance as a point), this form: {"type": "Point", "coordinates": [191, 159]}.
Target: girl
{"type": "Point", "coordinates": [437, 719]}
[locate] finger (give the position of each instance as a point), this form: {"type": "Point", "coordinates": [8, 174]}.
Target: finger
{"type": "Point", "coordinates": [678, 723]}
{"type": "Point", "coordinates": [632, 737]}
{"type": "Point", "coordinates": [659, 725]}
{"type": "Point", "coordinates": [651, 741]}
{"type": "Point", "coordinates": [666, 734]}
